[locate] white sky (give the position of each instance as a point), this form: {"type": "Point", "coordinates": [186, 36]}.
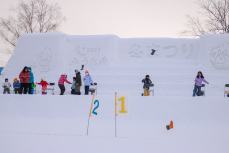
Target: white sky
{"type": "Point", "coordinates": [125, 18]}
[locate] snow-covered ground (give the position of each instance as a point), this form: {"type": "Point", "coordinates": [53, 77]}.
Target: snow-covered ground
{"type": "Point", "coordinates": [56, 124]}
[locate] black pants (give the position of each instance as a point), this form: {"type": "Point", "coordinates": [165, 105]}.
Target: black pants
{"type": "Point", "coordinates": [16, 90]}
{"type": "Point", "coordinates": [62, 89]}
{"type": "Point", "coordinates": [73, 92]}
{"type": "Point", "coordinates": [24, 88]}
{"type": "Point", "coordinates": [86, 89]}
{"type": "Point", "coordinates": [6, 90]}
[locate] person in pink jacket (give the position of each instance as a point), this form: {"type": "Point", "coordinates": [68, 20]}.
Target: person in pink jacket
{"type": "Point", "coordinates": [62, 80]}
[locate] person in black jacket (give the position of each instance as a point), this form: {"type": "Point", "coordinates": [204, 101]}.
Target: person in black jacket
{"type": "Point", "coordinates": [147, 84]}
{"type": "Point", "coordinates": [78, 82]}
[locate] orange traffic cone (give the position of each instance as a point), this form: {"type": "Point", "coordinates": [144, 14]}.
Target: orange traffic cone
{"type": "Point", "coordinates": [170, 126]}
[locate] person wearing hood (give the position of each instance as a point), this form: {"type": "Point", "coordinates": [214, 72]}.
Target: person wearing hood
{"type": "Point", "coordinates": [62, 80]}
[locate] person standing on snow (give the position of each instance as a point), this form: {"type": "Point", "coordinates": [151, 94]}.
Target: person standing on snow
{"type": "Point", "coordinates": [62, 80]}
{"type": "Point", "coordinates": [78, 82]}
{"type": "Point", "coordinates": [24, 79]}
{"type": "Point", "coordinates": [6, 86]}
{"type": "Point", "coordinates": [147, 83]}
{"type": "Point", "coordinates": [16, 86]}
{"type": "Point", "coordinates": [31, 81]}
{"type": "Point", "coordinates": [87, 82]}
{"type": "Point", "coordinates": [44, 85]}
{"type": "Point", "coordinates": [198, 84]}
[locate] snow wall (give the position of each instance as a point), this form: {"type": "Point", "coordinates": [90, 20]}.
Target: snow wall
{"type": "Point", "coordinates": [50, 55]}
{"type": "Point", "coordinates": [119, 63]}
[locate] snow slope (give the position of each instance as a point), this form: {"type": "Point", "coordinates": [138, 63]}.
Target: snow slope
{"type": "Point", "coordinates": [56, 124]}
{"type": "Point", "coordinates": [59, 124]}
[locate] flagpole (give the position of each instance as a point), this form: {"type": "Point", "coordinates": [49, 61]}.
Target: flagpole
{"type": "Point", "coordinates": [89, 115]}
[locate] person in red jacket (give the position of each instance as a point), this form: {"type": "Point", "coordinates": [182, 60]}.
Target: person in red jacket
{"type": "Point", "coordinates": [24, 79]}
{"type": "Point", "coordinates": [62, 80]}
{"type": "Point", "coordinates": [44, 84]}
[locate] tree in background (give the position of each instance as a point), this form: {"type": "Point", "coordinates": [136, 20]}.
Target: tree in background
{"type": "Point", "coordinates": [214, 18]}
{"type": "Point", "coordinates": [30, 16]}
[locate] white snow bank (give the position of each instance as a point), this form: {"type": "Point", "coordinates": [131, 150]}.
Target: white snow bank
{"type": "Point", "coordinates": [59, 123]}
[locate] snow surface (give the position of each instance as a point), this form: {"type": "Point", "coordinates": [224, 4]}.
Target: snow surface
{"type": "Point", "coordinates": [57, 124]}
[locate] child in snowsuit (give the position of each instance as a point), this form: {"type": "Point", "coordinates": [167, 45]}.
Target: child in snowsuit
{"type": "Point", "coordinates": [87, 82]}
{"type": "Point", "coordinates": [198, 84]}
{"type": "Point", "coordinates": [16, 86]}
{"type": "Point", "coordinates": [6, 87]}
{"type": "Point", "coordinates": [44, 84]}
{"type": "Point", "coordinates": [62, 80]}
{"type": "Point", "coordinates": [147, 84]}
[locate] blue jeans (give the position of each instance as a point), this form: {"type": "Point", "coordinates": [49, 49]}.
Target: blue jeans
{"type": "Point", "coordinates": [196, 91]}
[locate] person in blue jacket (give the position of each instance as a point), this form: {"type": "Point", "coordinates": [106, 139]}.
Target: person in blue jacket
{"type": "Point", "coordinates": [16, 86]}
{"type": "Point", "coordinates": [87, 82]}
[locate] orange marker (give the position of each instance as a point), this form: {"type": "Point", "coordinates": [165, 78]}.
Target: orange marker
{"type": "Point", "coordinates": [170, 126]}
